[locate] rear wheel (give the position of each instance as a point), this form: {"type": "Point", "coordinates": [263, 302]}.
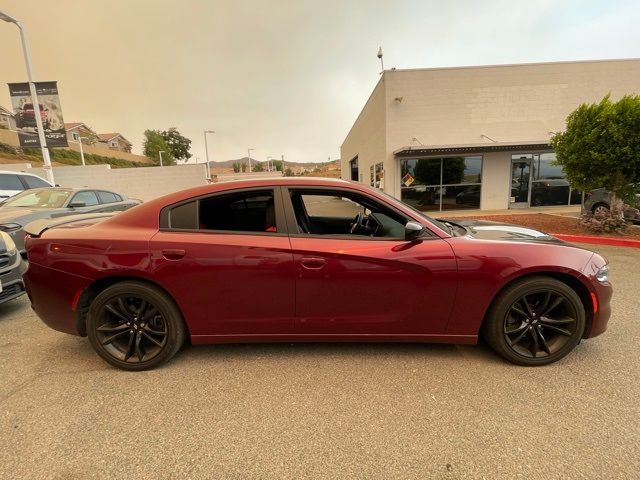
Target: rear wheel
{"type": "Point", "coordinates": [536, 321]}
{"type": "Point", "coordinates": [135, 326]}
{"type": "Point", "coordinates": [600, 210]}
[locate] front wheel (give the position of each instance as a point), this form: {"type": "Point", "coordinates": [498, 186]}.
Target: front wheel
{"type": "Point", "coordinates": [535, 321]}
{"type": "Point", "coordinates": [135, 326]}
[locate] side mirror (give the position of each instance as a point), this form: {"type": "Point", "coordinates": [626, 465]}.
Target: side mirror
{"type": "Point", "coordinates": [413, 231]}
{"type": "Point", "coordinates": [77, 204]}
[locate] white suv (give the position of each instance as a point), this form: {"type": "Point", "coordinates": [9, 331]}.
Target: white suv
{"type": "Point", "coordinates": [12, 183]}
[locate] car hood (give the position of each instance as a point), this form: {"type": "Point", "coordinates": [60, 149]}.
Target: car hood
{"type": "Point", "coordinates": [504, 231]}
{"type": "Point", "coordinates": [23, 215]}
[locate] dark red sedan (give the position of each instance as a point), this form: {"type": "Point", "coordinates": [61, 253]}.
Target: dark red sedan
{"type": "Point", "coordinates": [308, 260]}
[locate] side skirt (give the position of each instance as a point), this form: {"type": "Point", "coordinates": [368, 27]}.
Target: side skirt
{"type": "Point", "coordinates": [339, 338]}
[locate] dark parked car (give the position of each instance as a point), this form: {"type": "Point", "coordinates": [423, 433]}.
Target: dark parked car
{"type": "Point", "coordinates": [39, 203]}
{"type": "Point", "coordinates": [286, 260]}
{"type": "Point", "coordinates": [598, 202]}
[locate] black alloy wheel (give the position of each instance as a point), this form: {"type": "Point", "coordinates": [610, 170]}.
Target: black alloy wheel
{"type": "Point", "coordinates": [536, 321]}
{"type": "Point", "coordinates": [135, 326]}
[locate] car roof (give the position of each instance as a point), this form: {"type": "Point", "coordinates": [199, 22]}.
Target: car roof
{"type": "Point", "coordinates": [14, 172]}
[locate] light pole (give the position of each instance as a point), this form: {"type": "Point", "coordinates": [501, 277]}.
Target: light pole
{"type": "Point", "coordinates": [82, 151]}
{"type": "Point", "coordinates": [34, 96]}
{"type": "Point", "coordinates": [249, 150]}
{"type": "Point", "coordinates": [160, 155]}
{"type": "Point", "coordinates": [206, 151]}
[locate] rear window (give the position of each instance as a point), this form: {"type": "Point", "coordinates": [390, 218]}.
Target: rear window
{"type": "Point", "coordinates": [10, 182]}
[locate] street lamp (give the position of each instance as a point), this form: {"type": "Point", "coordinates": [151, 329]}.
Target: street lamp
{"type": "Point", "coordinates": [249, 150]}
{"type": "Point", "coordinates": [206, 150]}
{"type": "Point", "coordinates": [81, 151]}
{"type": "Point", "coordinates": [34, 96]}
{"type": "Point", "coordinates": [160, 155]}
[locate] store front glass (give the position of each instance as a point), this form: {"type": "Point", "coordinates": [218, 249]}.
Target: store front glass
{"type": "Point", "coordinates": [451, 183]}
{"type": "Point", "coordinates": [537, 181]}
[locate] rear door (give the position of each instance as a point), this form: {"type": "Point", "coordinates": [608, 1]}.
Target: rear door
{"type": "Point", "coordinates": [226, 259]}
{"type": "Point", "coordinates": [365, 282]}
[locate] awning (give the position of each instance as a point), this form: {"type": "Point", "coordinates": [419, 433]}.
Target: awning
{"type": "Point", "coordinates": [412, 151]}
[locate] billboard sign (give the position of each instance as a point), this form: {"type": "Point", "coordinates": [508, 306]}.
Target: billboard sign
{"type": "Point", "coordinates": [50, 112]}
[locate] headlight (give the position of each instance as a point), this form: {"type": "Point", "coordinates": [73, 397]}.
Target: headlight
{"type": "Point", "coordinates": [8, 242]}
{"type": "Point", "coordinates": [10, 227]}
{"type": "Point", "coordinates": [602, 275]}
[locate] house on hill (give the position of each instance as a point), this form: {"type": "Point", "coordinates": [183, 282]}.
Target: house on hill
{"type": "Point", "coordinates": [115, 141]}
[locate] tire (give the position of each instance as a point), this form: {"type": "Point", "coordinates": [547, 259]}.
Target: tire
{"type": "Point", "coordinates": [540, 331]}
{"type": "Point", "coordinates": [135, 326]}
{"type": "Point", "coordinates": [600, 209]}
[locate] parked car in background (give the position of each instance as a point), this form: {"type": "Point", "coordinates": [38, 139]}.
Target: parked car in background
{"type": "Point", "coordinates": [293, 259]}
{"type": "Point", "coordinates": [598, 202]}
{"type": "Point", "coordinates": [12, 267]}
{"type": "Point", "coordinates": [12, 183]}
{"type": "Point", "coordinates": [41, 203]}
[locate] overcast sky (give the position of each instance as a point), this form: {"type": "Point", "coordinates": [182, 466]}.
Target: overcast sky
{"type": "Point", "coordinates": [282, 77]}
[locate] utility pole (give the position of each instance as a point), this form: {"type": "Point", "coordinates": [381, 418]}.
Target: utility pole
{"type": "Point", "coordinates": [34, 96]}
{"type": "Point", "coordinates": [249, 150]}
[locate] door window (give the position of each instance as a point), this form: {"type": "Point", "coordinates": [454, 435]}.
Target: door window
{"type": "Point", "coordinates": [10, 182]}
{"type": "Point", "coordinates": [338, 213]}
{"type": "Point", "coordinates": [252, 211]}
{"type": "Point", "coordinates": [88, 197]}
{"type": "Point", "coordinates": [108, 197]}
{"type": "Point", "coordinates": [35, 182]}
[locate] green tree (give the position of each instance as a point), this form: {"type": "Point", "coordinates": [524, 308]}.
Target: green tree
{"type": "Point", "coordinates": [236, 167]}
{"type": "Point", "coordinates": [257, 167]}
{"type": "Point", "coordinates": [243, 167]}
{"type": "Point", "coordinates": [601, 146]}
{"type": "Point", "coordinates": [278, 165]}
{"type": "Point", "coordinates": [178, 144]}
{"type": "Point", "coordinates": [154, 143]}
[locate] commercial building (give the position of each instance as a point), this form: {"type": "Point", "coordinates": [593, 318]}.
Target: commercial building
{"type": "Point", "coordinates": [476, 137]}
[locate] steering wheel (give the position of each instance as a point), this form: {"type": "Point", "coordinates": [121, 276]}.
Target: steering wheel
{"type": "Point", "coordinates": [357, 223]}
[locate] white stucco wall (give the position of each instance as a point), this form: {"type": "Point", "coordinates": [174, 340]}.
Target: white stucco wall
{"type": "Point", "coordinates": [144, 183]}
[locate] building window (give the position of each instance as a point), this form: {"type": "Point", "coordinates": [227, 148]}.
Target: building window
{"type": "Point", "coordinates": [451, 183]}
{"type": "Point", "coordinates": [114, 144]}
{"type": "Point", "coordinates": [548, 184]}
{"type": "Point", "coordinates": [353, 165]}
{"type": "Point", "coordinates": [75, 136]}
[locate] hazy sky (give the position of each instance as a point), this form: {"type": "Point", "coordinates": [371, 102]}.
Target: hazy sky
{"type": "Point", "coordinates": [280, 76]}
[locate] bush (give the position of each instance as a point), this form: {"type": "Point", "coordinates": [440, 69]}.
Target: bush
{"type": "Point", "coordinates": [610, 222]}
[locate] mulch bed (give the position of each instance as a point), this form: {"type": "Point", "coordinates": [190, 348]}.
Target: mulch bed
{"type": "Point", "coordinates": [555, 224]}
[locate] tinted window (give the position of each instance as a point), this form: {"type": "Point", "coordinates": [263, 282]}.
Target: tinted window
{"type": "Point", "coordinates": [35, 182]}
{"type": "Point", "coordinates": [10, 182]}
{"type": "Point", "coordinates": [184, 217]}
{"type": "Point", "coordinates": [89, 198]}
{"type": "Point", "coordinates": [108, 197]}
{"type": "Point", "coordinates": [240, 212]}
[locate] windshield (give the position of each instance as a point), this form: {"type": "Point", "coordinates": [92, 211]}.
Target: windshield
{"type": "Point", "coordinates": [45, 198]}
{"type": "Point", "coordinates": [435, 222]}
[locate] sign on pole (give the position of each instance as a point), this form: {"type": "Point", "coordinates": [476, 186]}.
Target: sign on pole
{"type": "Point", "coordinates": [50, 112]}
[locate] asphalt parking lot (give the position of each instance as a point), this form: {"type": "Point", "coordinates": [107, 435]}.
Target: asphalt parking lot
{"type": "Point", "coordinates": [323, 411]}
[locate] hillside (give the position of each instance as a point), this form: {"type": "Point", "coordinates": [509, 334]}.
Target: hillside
{"type": "Point", "coordinates": [320, 169]}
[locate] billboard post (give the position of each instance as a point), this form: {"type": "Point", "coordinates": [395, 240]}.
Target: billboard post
{"type": "Point", "coordinates": [34, 97]}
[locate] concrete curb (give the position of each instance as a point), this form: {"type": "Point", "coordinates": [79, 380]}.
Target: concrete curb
{"type": "Point", "coordinates": [614, 242]}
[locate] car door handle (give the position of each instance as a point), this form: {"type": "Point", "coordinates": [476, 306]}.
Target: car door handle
{"type": "Point", "coordinates": [313, 263]}
{"type": "Point", "coordinates": [173, 253]}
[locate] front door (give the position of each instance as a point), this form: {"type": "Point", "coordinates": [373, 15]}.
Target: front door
{"type": "Point", "coordinates": [520, 182]}
{"type": "Point", "coordinates": [355, 273]}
